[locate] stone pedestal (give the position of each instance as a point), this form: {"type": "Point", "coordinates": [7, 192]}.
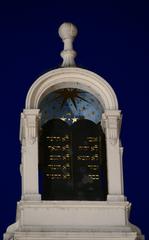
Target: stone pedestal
{"type": "Point", "coordinates": [73, 220]}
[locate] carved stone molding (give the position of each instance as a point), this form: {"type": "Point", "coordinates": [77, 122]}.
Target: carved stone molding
{"type": "Point", "coordinates": [29, 127]}
{"type": "Point", "coordinates": [71, 77]}
{"type": "Point", "coordinates": [111, 122]}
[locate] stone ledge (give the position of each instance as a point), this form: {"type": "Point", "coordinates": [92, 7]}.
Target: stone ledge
{"type": "Point", "coordinates": [77, 236]}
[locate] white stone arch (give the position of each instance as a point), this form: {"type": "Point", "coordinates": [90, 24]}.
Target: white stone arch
{"type": "Point", "coordinates": [72, 78]}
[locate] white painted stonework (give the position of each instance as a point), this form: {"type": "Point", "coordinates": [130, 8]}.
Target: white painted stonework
{"type": "Point", "coordinates": [68, 32]}
{"type": "Point", "coordinates": [72, 220]}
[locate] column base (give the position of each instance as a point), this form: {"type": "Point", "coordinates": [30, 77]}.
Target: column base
{"type": "Point", "coordinates": [31, 197]}
{"type": "Point", "coordinates": [73, 220]}
{"type": "Point", "coordinates": [88, 234]}
{"type": "Point", "coordinates": [116, 198]}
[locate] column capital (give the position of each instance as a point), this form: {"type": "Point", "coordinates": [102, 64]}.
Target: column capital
{"type": "Point", "coordinates": [29, 125]}
{"type": "Point", "coordinates": [35, 112]}
{"type": "Point", "coordinates": [111, 123]}
{"type": "Point", "coordinates": [111, 114]}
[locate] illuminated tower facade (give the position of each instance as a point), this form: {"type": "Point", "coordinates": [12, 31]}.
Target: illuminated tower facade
{"type": "Point", "coordinates": [71, 166]}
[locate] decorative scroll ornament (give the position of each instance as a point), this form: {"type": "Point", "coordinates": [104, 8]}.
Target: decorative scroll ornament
{"type": "Point", "coordinates": [111, 124]}
{"type": "Point", "coordinates": [29, 129]}
{"type": "Point", "coordinates": [113, 131]}
{"type": "Point", "coordinates": [21, 136]}
{"type": "Point", "coordinates": [113, 136]}
{"type": "Point", "coordinates": [68, 32]}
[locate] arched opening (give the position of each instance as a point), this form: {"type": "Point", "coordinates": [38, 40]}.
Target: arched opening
{"type": "Point", "coordinates": [72, 147]}
{"type": "Point", "coordinates": [83, 80]}
{"type": "Point", "coordinates": [73, 161]}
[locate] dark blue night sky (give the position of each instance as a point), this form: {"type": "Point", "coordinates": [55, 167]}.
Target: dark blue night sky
{"type": "Point", "coordinates": [113, 41]}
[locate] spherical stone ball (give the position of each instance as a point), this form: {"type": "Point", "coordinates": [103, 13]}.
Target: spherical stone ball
{"type": "Point", "coordinates": [67, 30]}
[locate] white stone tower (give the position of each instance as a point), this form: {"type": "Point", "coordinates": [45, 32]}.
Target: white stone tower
{"type": "Point", "coordinates": [39, 219]}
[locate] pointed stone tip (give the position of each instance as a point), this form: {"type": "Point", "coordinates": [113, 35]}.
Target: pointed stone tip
{"type": "Point", "coordinates": [67, 31]}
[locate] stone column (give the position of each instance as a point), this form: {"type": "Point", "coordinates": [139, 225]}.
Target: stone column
{"type": "Point", "coordinates": [111, 123]}
{"type": "Point", "coordinates": [29, 164]}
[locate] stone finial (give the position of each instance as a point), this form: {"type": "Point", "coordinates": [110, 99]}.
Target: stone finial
{"type": "Point", "coordinates": [67, 32]}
